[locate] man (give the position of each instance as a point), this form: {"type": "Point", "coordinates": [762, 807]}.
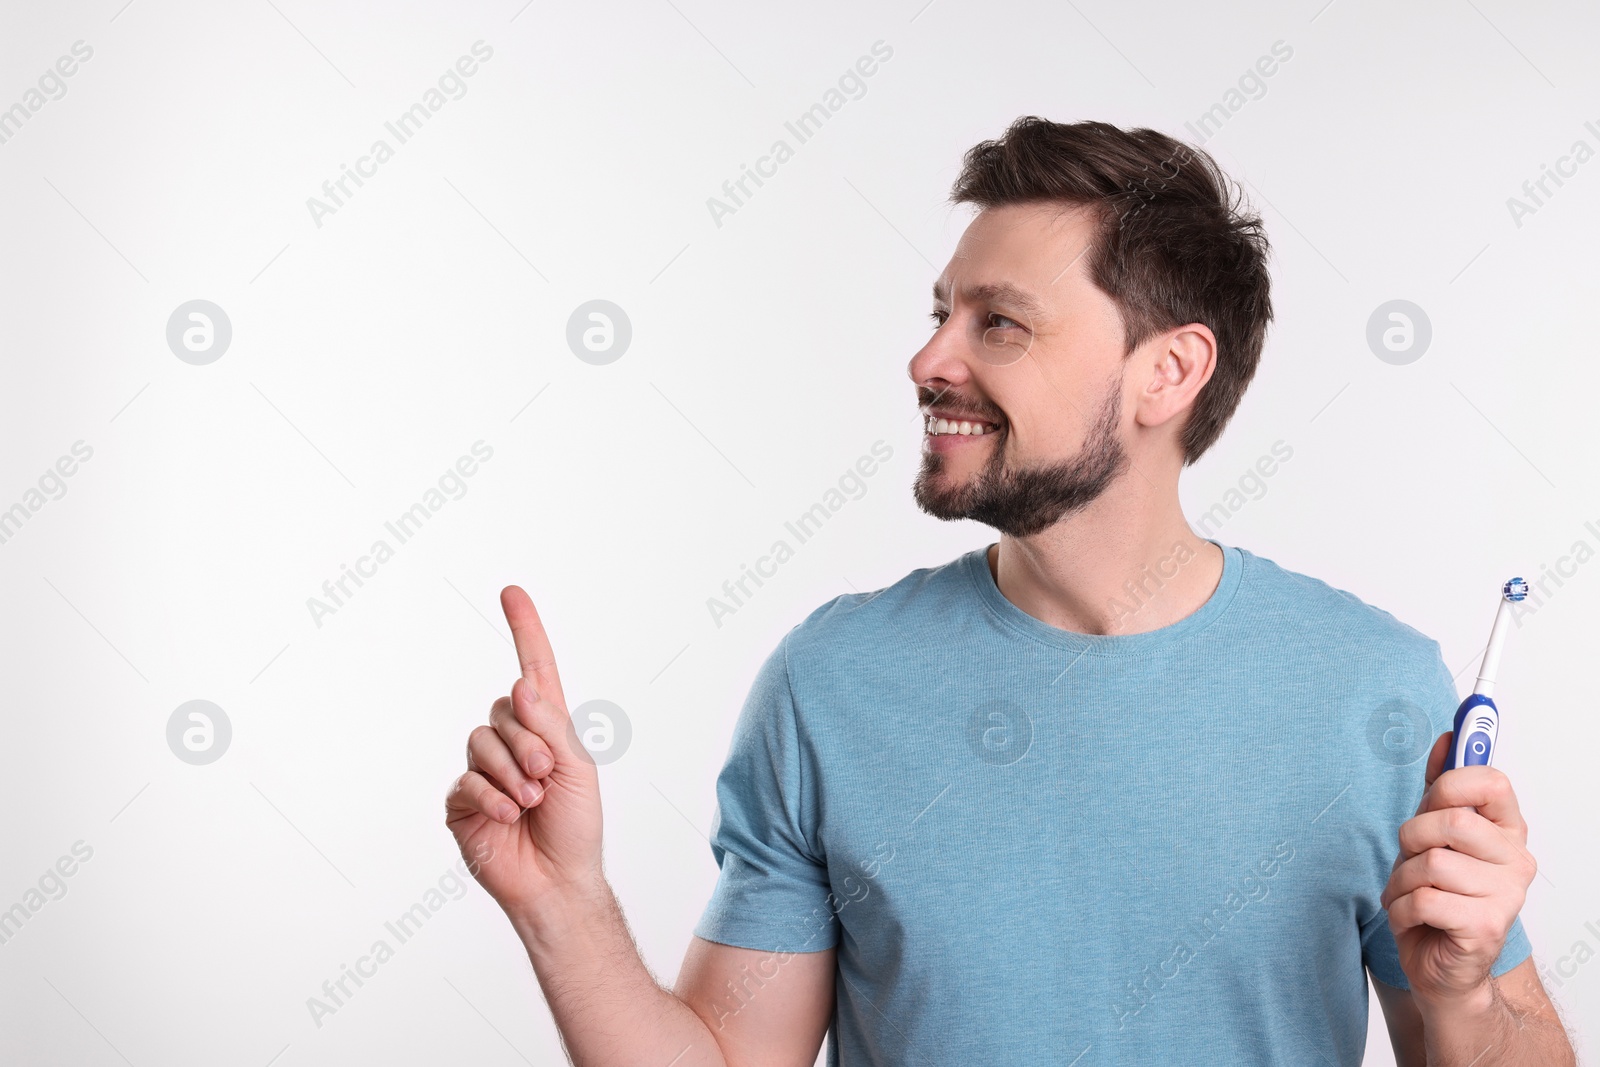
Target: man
{"type": "Point", "coordinates": [1103, 792]}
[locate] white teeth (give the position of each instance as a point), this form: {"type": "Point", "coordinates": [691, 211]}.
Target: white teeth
{"type": "Point", "coordinates": [937, 427]}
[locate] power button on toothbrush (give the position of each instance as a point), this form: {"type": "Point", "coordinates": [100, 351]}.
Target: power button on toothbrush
{"type": "Point", "coordinates": [1477, 749]}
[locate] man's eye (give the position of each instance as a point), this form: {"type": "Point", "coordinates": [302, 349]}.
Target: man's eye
{"type": "Point", "coordinates": [1002, 322]}
{"type": "Point", "coordinates": [938, 318]}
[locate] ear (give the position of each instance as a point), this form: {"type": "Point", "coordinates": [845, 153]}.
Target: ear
{"type": "Point", "coordinates": [1176, 365]}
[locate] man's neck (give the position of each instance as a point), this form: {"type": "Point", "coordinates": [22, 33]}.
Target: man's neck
{"type": "Point", "coordinates": [1126, 564]}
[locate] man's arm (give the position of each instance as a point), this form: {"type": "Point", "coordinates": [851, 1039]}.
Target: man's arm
{"type": "Point", "coordinates": [759, 1020]}
{"type": "Point", "coordinates": [731, 1007]}
{"type": "Point", "coordinates": [1520, 1026]}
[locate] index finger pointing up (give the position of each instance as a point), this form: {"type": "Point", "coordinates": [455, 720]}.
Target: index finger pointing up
{"type": "Point", "coordinates": [534, 654]}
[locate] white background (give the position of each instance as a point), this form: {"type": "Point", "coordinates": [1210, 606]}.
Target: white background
{"type": "Point", "coordinates": [767, 355]}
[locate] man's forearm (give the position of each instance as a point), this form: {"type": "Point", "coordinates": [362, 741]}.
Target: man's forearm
{"type": "Point", "coordinates": [1487, 1031]}
{"type": "Point", "coordinates": [610, 1011]}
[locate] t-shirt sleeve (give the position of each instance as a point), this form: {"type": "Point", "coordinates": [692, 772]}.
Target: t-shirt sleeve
{"type": "Point", "coordinates": [772, 890]}
{"type": "Point", "coordinates": [1378, 949]}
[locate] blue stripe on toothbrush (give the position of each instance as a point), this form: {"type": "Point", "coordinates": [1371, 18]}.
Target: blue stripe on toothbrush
{"type": "Point", "coordinates": [1477, 726]}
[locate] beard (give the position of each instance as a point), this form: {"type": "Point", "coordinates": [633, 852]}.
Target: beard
{"type": "Point", "coordinates": [1021, 502]}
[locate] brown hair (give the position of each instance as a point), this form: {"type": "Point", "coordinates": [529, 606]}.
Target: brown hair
{"type": "Point", "coordinates": [1176, 242]}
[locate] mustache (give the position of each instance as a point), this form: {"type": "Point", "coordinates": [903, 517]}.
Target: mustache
{"type": "Point", "coordinates": [959, 406]}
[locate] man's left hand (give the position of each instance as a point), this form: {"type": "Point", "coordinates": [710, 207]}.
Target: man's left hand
{"type": "Point", "coordinates": [1459, 881]}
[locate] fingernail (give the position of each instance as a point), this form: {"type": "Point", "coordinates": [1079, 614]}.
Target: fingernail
{"type": "Point", "coordinates": [538, 764]}
{"type": "Point", "coordinates": [507, 812]}
{"type": "Point", "coordinates": [529, 794]}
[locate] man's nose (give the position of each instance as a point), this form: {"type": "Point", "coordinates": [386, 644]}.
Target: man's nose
{"type": "Point", "coordinates": [941, 363]}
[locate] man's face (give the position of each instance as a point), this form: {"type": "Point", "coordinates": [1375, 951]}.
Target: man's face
{"type": "Point", "coordinates": [1030, 352]}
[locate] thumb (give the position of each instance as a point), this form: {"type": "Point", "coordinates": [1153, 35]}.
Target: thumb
{"type": "Point", "coordinates": [551, 723]}
{"type": "Point", "coordinates": [1436, 758]}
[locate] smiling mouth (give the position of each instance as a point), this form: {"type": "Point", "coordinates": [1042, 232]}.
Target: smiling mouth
{"type": "Point", "coordinates": [937, 427]}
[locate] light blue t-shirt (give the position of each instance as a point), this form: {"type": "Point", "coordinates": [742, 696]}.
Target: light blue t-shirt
{"type": "Point", "coordinates": [1035, 846]}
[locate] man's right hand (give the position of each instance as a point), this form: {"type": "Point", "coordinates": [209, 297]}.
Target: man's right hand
{"type": "Point", "coordinates": [526, 814]}
{"type": "Point", "coordinates": [527, 818]}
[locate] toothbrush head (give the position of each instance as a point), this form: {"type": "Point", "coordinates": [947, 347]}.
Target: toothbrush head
{"type": "Point", "coordinates": [1515, 590]}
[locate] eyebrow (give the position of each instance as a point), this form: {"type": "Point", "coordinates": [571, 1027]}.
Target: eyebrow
{"type": "Point", "coordinates": [998, 293]}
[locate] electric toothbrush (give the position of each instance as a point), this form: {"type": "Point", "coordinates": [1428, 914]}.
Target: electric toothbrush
{"type": "Point", "coordinates": [1477, 723]}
